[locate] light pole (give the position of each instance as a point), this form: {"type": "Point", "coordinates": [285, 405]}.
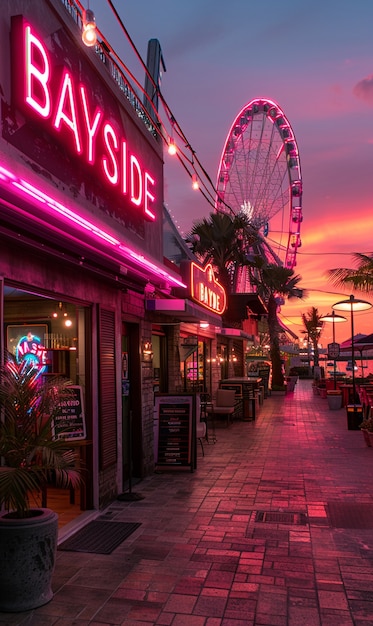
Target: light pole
{"type": "Point", "coordinates": [352, 304]}
{"type": "Point", "coordinates": [333, 317]}
{"type": "Point", "coordinates": [307, 341]}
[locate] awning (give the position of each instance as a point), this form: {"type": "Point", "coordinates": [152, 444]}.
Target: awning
{"type": "Point", "coordinates": [359, 339]}
{"type": "Point", "coordinates": [234, 333]}
{"type": "Point", "coordinates": [183, 310]}
{"type": "Point", "coordinates": [241, 304]}
{"type": "Point", "coordinates": [290, 348]}
{"type": "Point", "coordinates": [285, 329]}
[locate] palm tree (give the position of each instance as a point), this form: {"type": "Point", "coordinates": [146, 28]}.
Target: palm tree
{"type": "Point", "coordinates": [225, 242]}
{"type": "Point", "coordinates": [274, 283]}
{"type": "Point", "coordinates": [313, 325]}
{"type": "Point", "coordinates": [360, 278]}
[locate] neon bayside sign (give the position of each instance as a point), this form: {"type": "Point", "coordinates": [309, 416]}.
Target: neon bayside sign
{"type": "Point", "coordinates": [205, 289]}
{"type": "Point", "coordinates": [56, 99]}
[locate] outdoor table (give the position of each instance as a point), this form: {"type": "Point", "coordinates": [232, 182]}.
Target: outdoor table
{"type": "Point", "coordinates": [247, 389]}
{"type": "Point", "coordinates": [347, 392]}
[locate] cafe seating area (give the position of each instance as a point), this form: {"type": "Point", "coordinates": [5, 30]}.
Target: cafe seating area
{"type": "Point", "coordinates": [223, 405]}
{"type": "Point", "coordinates": [366, 399]}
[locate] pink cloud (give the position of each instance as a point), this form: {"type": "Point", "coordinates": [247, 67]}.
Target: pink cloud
{"type": "Point", "coordinates": [364, 89]}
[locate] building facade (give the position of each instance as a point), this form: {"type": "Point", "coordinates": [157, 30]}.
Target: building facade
{"type": "Point", "coordinates": [81, 196]}
{"type": "Point", "coordinates": [85, 289]}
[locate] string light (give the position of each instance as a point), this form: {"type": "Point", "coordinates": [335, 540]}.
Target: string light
{"type": "Point", "coordinates": [195, 183]}
{"type": "Point", "coordinates": [89, 32]}
{"type": "Point", "coordinates": [172, 147]}
{"type": "Point", "coordinates": [190, 163]}
{"type": "Point", "coordinates": [187, 157]}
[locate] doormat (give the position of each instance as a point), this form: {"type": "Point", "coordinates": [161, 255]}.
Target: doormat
{"type": "Point", "coordinates": [350, 514]}
{"type": "Point", "coordinates": [279, 517]}
{"type": "Point", "coordinates": [99, 537]}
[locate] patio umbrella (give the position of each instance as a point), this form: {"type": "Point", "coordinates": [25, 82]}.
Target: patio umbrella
{"type": "Point", "coordinates": [362, 343]}
{"type": "Point", "coordinates": [346, 345]}
{"type": "Point", "coordinates": [365, 343]}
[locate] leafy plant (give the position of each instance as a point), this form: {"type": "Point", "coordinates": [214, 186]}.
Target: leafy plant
{"type": "Point", "coordinates": [274, 283]}
{"type": "Point", "coordinates": [313, 327]}
{"type": "Point", "coordinates": [279, 387]}
{"type": "Point", "coordinates": [32, 457]}
{"type": "Point", "coordinates": [367, 424]}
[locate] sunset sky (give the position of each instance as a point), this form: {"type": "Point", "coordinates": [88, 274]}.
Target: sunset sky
{"type": "Point", "coordinates": [316, 61]}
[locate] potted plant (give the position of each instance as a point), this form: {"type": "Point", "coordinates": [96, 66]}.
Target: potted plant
{"type": "Point", "coordinates": [32, 459]}
{"type": "Point", "coordinates": [293, 374]}
{"type": "Point", "coordinates": [321, 387]}
{"type": "Point", "coordinates": [366, 427]}
{"type": "Point", "coordinates": [279, 390]}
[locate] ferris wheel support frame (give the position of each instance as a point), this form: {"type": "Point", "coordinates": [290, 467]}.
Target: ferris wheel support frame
{"type": "Point", "coordinates": [261, 106]}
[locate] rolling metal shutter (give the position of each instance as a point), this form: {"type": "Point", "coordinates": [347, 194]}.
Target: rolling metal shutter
{"type": "Point", "coordinates": [107, 395]}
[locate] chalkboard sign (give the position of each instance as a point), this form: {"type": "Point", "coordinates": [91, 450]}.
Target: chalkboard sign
{"type": "Point", "coordinates": [175, 415]}
{"type": "Point", "coordinates": [69, 423]}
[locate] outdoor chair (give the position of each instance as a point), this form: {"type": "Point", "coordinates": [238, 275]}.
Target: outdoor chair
{"type": "Point", "coordinates": [201, 431]}
{"type": "Point", "coordinates": [224, 404]}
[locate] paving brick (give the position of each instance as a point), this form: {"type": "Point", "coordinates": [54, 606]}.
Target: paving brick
{"type": "Point", "coordinates": [200, 558]}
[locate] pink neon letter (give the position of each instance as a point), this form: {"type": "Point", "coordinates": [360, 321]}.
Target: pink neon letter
{"type": "Point", "coordinates": [110, 138]}
{"type": "Point", "coordinates": [124, 166]}
{"type": "Point", "coordinates": [41, 75]}
{"type": "Point", "coordinates": [149, 181]}
{"type": "Point", "coordinates": [71, 122]}
{"type": "Point", "coordinates": [91, 127]}
{"type": "Point", "coordinates": [135, 166]}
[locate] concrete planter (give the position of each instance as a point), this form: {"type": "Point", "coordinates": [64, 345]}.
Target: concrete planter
{"type": "Point", "coordinates": [334, 400]}
{"type": "Point", "coordinates": [28, 552]}
{"type": "Point", "coordinates": [291, 381]}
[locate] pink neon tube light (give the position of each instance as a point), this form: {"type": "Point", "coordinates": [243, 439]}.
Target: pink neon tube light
{"type": "Point", "coordinates": [45, 202]}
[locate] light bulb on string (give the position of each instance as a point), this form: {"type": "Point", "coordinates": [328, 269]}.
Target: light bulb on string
{"type": "Point", "coordinates": [57, 310]}
{"type": "Point", "coordinates": [89, 32]}
{"type": "Point", "coordinates": [195, 183]}
{"type": "Point", "coordinates": [172, 149]}
{"type": "Point", "coordinates": [89, 24]}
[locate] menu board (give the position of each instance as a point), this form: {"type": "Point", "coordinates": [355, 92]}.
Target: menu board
{"type": "Point", "coordinates": [175, 415]}
{"type": "Point", "coordinates": [69, 423]}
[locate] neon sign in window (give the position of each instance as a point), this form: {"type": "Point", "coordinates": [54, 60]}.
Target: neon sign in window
{"type": "Point", "coordinates": [30, 350]}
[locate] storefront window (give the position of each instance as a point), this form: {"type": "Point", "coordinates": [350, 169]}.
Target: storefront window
{"type": "Point", "coordinates": [193, 366]}
{"type": "Point", "coordinates": [51, 334]}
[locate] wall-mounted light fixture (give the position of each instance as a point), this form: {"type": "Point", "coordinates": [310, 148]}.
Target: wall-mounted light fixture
{"type": "Point", "coordinates": [89, 32]}
{"type": "Point", "coordinates": [219, 357]}
{"type": "Point", "coordinates": [147, 351]}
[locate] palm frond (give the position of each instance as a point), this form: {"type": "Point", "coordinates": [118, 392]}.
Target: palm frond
{"type": "Point", "coordinates": [31, 456]}
{"type": "Point", "coordinates": [359, 278]}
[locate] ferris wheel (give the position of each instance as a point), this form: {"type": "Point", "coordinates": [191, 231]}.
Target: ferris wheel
{"type": "Point", "coordinates": [260, 175]}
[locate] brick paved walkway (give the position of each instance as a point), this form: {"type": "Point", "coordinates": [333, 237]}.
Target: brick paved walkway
{"type": "Point", "coordinates": [275, 528]}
